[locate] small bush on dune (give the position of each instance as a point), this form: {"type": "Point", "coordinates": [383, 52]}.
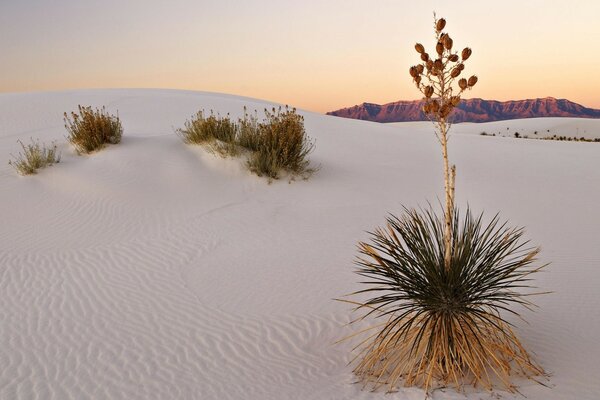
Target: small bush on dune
{"type": "Point", "coordinates": [278, 143]}
{"type": "Point", "coordinates": [91, 130]}
{"type": "Point", "coordinates": [282, 144]}
{"type": "Point", "coordinates": [34, 156]}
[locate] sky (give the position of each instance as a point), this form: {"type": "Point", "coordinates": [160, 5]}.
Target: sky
{"type": "Point", "coordinates": [319, 55]}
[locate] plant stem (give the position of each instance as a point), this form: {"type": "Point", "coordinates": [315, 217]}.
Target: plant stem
{"type": "Point", "coordinates": [449, 175]}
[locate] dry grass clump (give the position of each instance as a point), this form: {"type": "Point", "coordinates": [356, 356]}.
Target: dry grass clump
{"type": "Point", "coordinates": [34, 156]}
{"type": "Point", "coordinates": [215, 132]}
{"type": "Point", "coordinates": [281, 144]}
{"type": "Point", "coordinates": [278, 143]}
{"type": "Point", "coordinates": [444, 326]}
{"type": "Point", "coordinates": [248, 131]}
{"type": "Point", "coordinates": [91, 130]}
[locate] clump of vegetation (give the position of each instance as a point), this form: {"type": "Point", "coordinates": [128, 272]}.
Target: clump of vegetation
{"type": "Point", "coordinates": [281, 144]}
{"type": "Point", "coordinates": [278, 143]}
{"type": "Point", "coordinates": [571, 139]}
{"type": "Point", "coordinates": [441, 283]}
{"type": "Point", "coordinates": [215, 132]}
{"type": "Point", "coordinates": [248, 131]}
{"type": "Point", "coordinates": [91, 130]}
{"type": "Point", "coordinates": [553, 137]}
{"type": "Point", "coordinates": [444, 325]}
{"type": "Point", "coordinates": [34, 156]}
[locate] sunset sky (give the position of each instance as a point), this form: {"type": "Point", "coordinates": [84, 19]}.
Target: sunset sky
{"type": "Point", "coordinates": [318, 55]}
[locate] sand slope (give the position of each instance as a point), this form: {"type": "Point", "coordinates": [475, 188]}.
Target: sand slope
{"type": "Point", "coordinates": [152, 270]}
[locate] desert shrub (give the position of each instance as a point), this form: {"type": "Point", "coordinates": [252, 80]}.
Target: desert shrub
{"type": "Point", "coordinates": [34, 156]}
{"type": "Point", "coordinates": [444, 326]}
{"type": "Point", "coordinates": [282, 144]}
{"type": "Point", "coordinates": [277, 143]}
{"type": "Point", "coordinates": [91, 130]}
{"type": "Point", "coordinates": [215, 132]}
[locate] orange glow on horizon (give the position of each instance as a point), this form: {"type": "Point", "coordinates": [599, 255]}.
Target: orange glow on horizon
{"type": "Point", "coordinates": [318, 56]}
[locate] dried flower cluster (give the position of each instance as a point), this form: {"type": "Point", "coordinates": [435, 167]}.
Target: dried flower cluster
{"type": "Point", "coordinates": [434, 77]}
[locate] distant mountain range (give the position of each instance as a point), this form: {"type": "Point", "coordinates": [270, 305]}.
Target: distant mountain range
{"type": "Point", "coordinates": [470, 110]}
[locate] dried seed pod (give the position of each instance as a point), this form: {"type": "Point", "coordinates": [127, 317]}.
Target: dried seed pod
{"type": "Point", "coordinates": [466, 53]}
{"type": "Point", "coordinates": [426, 108]}
{"type": "Point", "coordinates": [420, 69]}
{"type": "Point", "coordinates": [439, 47]}
{"type": "Point", "coordinates": [445, 110]}
{"type": "Point", "coordinates": [461, 66]}
{"type": "Point", "coordinates": [429, 65]}
{"type": "Point", "coordinates": [455, 100]}
{"type": "Point", "coordinates": [428, 91]}
{"type": "Point", "coordinates": [472, 81]}
{"type": "Point", "coordinates": [435, 106]}
{"type": "Point", "coordinates": [441, 23]}
{"type": "Point", "coordinates": [462, 83]}
{"type": "Point", "coordinates": [413, 72]}
{"type": "Point", "coordinates": [424, 56]}
{"type": "Point", "coordinates": [453, 58]}
{"type": "Point", "coordinates": [419, 48]}
{"type": "Point", "coordinates": [455, 72]}
{"type": "Point", "coordinates": [448, 42]}
{"type": "Point", "coordinates": [438, 65]}
{"type": "Point", "coordinates": [418, 80]}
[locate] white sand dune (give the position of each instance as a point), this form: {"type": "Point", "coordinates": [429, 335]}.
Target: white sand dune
{"type": "Point", "coordinates": [531, 128]}
{"type": "Point", "coordinates": [152, 270]}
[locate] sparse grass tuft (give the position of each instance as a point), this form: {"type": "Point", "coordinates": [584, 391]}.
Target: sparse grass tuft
{"type": "Point", "coordinates": [34, 156]}
{"type": "Point", "coordinates": [91, 130]}
{"type": "Point", "coordinates": [443, 326]}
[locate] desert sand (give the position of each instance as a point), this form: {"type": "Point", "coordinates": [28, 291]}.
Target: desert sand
{"type": "Point", "coordinates": [154, 270]}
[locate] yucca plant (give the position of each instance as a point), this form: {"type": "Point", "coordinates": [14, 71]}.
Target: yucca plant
{"type": "Point", "coordinates": [443, 285]}
{"type": "Point", "coordinates": [90, 130]}
{"type": "Point", "coordinates": [34, 156]}
{"type": "Point", "coordinates": [444, 326]}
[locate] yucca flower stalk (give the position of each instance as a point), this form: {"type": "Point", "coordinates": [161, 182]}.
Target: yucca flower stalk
{"type": "Point", "coordinates": [437, 78]}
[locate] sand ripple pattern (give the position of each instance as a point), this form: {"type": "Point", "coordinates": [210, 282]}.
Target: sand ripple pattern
{"type": "Point", "coordinates": [119, 322]}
